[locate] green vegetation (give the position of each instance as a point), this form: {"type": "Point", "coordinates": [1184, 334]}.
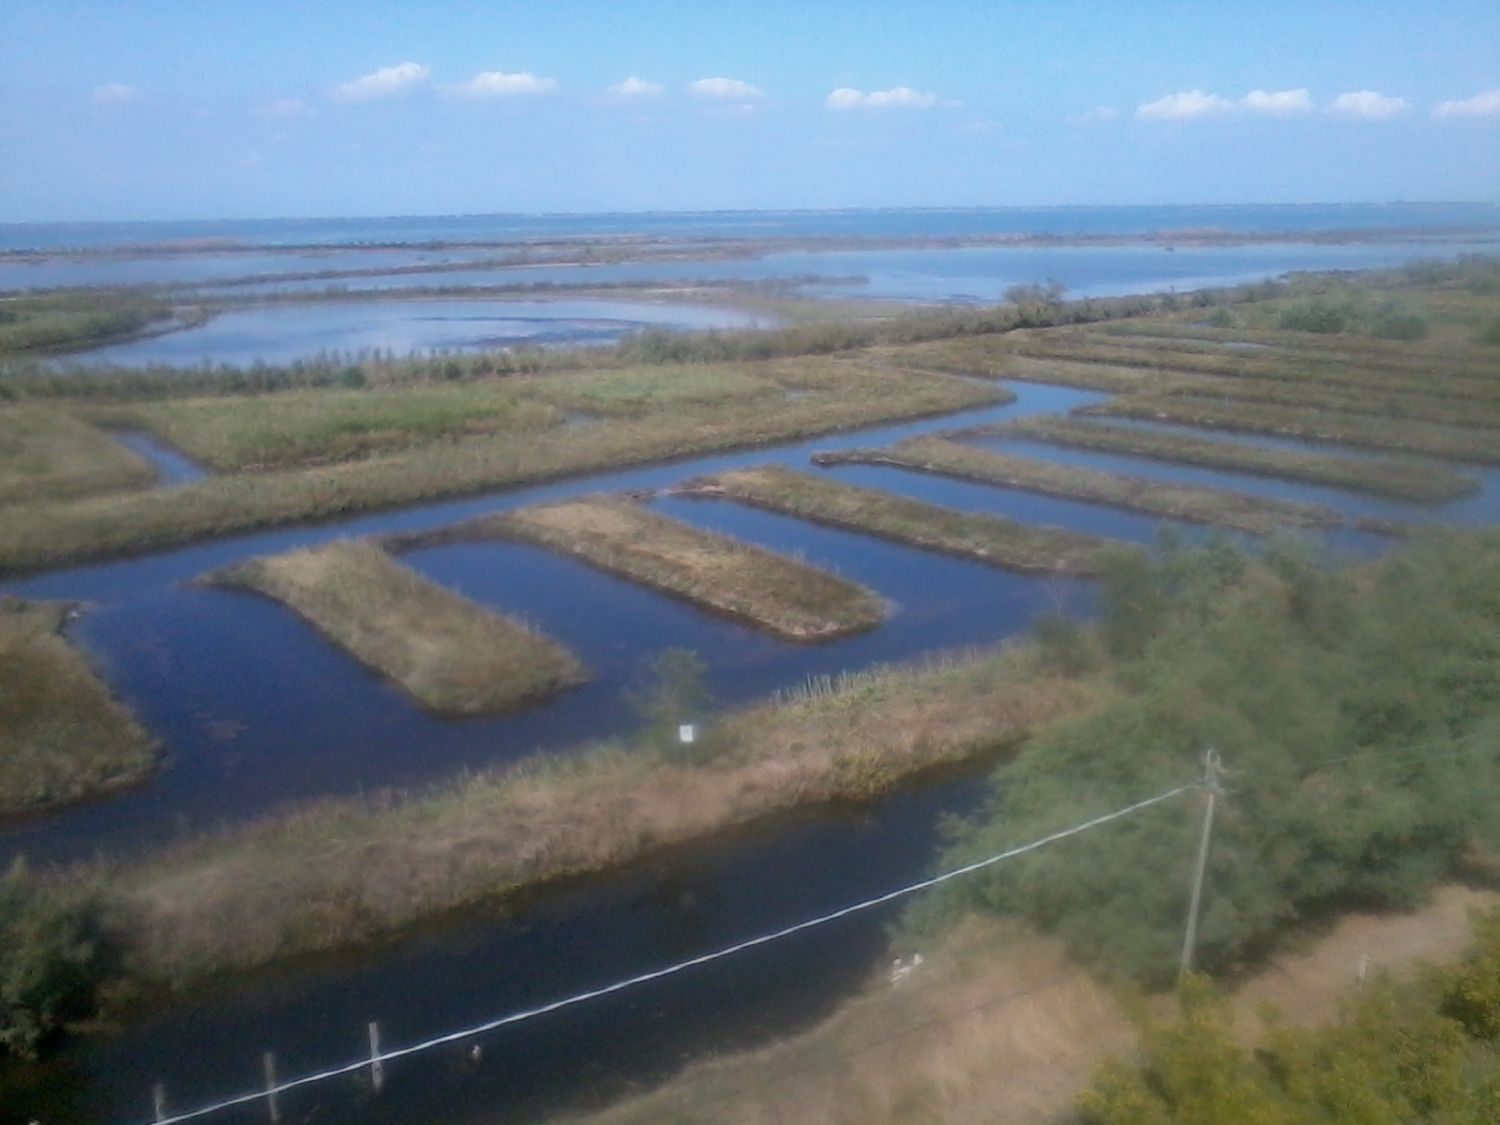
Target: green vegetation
{"type": "Point", "coordinates": [62, 736]}
{"type": "Point", "coordinates": [1481, 415]}
{"type": "Point", "coordinates": [837, 395]}
{"type": "Point", "coordinates": [994, 540]}
{"type": "Point", "coordinates": [640, 390]}
{"type": "Point", "coordinates": [1001, 357]}
{"type": "Point", "coordinates": [449, 654]}
{"type": "Point", "coordinates": [348, 870]}
{"type": "Point", "coordinates": [776, 593]}
{"type": "Point", "coordinates": [1261, 515]}
{"type": "Point", "coordinates": [1313, 425]}
{"type": "Point", "coordinates": [46, 454]}
{"type": "Point", "coordinates": [1419, 1051]}
{"type": "Point", "coordinates": [1358, 713]}
{"type": "Point", "coordinates": [1401, 480]}
{"type": "Point", "coordinates": [56, 951]}
{"type": "Point", "coordinates": [43, 322]}
{"type": "Point", "coordinates": [309, 427]}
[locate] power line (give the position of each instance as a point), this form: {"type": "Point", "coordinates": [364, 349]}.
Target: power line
{"type": "Point", "coordinates": [273, 1089]}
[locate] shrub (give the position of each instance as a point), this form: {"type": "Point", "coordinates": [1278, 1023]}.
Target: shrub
{"type": "Point", "coordinates": [55, 951]}
{"type": "Point", "coordinates": [672, 691]}
{"type": "Point", "coordinates": [1316, 316]}
{"type": "Point", "coordinates": [1393, 321]}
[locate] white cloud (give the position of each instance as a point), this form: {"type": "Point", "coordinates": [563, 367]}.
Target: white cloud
{"type": "Point", "coordinates": [901, 97]}
{"type": "Point", "coordinates": [112, 92]}
{"type": "Point", "coordinates": [634, 87]}
{"type": "Point", "coordinates": [383, 83]}
{"type": "Point", "coordinates": [1486, 104]}
{"type": "Point", "coordinates": [1185, 105]}
{"type": "Point", "coordinates": [724, 88]}
{"type": "Point", "coordinates": [1367, 105]}
{"type": "Point", "coordinates": [498, 84]}
{"type": "Point", "coordinates": [1282, 103]}
{"type": "Point", "coordinates": [1096, 116]}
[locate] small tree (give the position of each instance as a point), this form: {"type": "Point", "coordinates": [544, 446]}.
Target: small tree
{"type": "Point", "coordinates": [672, 692]}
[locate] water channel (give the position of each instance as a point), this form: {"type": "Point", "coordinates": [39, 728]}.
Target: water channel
{"type": "Point", "coordinates": [256, 711]}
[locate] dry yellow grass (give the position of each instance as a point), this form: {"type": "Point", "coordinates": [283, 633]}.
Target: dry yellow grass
{"type": "Point", "coordinates": [343, 871]}
{"type": "Point", "coordinates": [997, 1025]}
{"type": "Point", "coordinates": [448, 653]}
{"type": "Point", "coordinates": [62, 736]}
{"type": "Point", "coordinates": [779, 594]}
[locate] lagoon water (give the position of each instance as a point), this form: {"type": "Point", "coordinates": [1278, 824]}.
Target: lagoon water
{"type": "Point", "coordinates": [256, 712]}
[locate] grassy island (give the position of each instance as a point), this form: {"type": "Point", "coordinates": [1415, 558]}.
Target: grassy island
{"type": "Point", "coordinates": [1197, 504]}
{"type": "Point", "coordinates": [791, 599]}
{"type": "Point", "coordinates": [995, 540]}
{"type": "Point", "coordinates": [62, 736]}
{"type": "Point", "coordinates": [46, 454]}
{"type": "Point", "coordinates": [1399, 480]}
{"type": "Point", "coordinates": [449, 654]}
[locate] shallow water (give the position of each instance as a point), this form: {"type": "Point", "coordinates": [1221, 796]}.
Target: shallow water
{"type": "Point", "coordinates": [284, 333]}
{"type": "Point", "coordinates": [172, 465]}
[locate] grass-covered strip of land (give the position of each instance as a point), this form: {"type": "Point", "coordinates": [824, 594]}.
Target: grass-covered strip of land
{"type": "Point", "coordinates": [1259, 514]}
{"type": "Point", "coordinates": [994, 540]}
{"type": "Point", "coordinates": [1357, 710]}
{"type": "Point", "coordinates": [307, 427]}
{"type": "Point", "coordinates": [62, 735]}
{"type": "Point", "coordinates": [346, 871]}
{"type": "Point", "coordinates": [449, 654]}
{"type": "Point", "coordinates": [1468, 413]}
{"type": "Point", "coordinates": [1401, 480]}
{"type": "Point", "coordinates": [46, 454]}
{"type": "Point", "coordinates": [1361, 430]}
{"type": "Point", "coordinates": [779, 594]}
{"type": "Point", "coordinates": [844, 396]}
{"type": "Point", "coordinates": [999, 357]}
{"type": "Point", "coordinates": [1171, 366]}
{"type": "Point", "coordinates": [45, 322]}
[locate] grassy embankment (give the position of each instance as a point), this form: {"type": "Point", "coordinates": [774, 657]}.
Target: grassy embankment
{"type": "Point", "coordinates": [48, 322]}
{"type": "Point", "coordinates": [449, 654]}
{"type": "Point", "coordinates": [1197, 504]}
{"type": "Point", "coordinates": [62, 736]}
{"type": "Point", "coordinates": [814, 397]}
{"type": "Point", "coordinates": [994, 540]}
{"type": "Point", "coordinates": [348, 870]}
{"type": "Point", "coordinates": [45, 454]}
{"type": "Point", "coordinates": [998, 1025]}
{"type": "Point", "coordinates": [1401, 480]}
{"type": "Point", "coordinates": [1358, 430]}
{"type": "Point", "coordinates": [781, 595]}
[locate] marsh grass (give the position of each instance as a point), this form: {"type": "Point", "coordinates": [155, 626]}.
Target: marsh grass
{"type": "Point", "coordinates": [781, 595]}
{"type": "Point", "coordinates": [449, 654]}
{"type": "Point", "coordinates": [1403, 480]}
{"type": "Point", "coordinates": [989, 539]}
{"type": "Point", "coordinates": [344, 871]}
{"type": "Point", "coordinates": [1195, 503]}
{"type": "Point", "coordinates": [1465, 413]}
{"type": "Point", "coordinates": [46, 454]}
{"type": "Point", "coordinates": [841, 396]}
{"type": "Point", "coordinates": [310, 427]}
{"type": "Point", "coordinates": [63, 737]}
{"type": "Point", "coordinates": [1331, 426]}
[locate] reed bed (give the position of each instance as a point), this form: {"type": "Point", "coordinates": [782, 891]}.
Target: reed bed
{"type": "Point", "coordinates": [346, 871]}
{"type": "Point", "coordinates": [63, 737]}
{"type": "Point", "coordinates": [994, 540]}
{"type": "Point", "coordinates": [319, 426]}
{"type": "Point", "coordinates": [449, 654]}
{"type": "Point", "coordinates": [1432, 382]}
{"type": "Point", "coordinates": [1465, 413]}
{"type": "Point", "coordinates": [1336, 428]}
{"type": "Point", "coordinates": [1400, 480]}
{"type": "Point", "coordinates": [46, 454]}
{"type": "Point", "coordinates": [1197, 504]}
{"type": "Point", "coordinates": [42, 534]}
{"type": "Point", "coordinates": [791, 599]}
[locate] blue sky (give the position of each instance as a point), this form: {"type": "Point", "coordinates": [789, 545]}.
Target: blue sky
{"type": "Point", "coordinates": [212, 110]}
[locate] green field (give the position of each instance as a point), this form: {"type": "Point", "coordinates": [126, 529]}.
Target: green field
{"type": "Point", "coordinates": [47, 454]}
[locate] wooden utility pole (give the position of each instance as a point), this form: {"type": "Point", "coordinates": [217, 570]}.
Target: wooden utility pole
{"type": "Point", "coordinates": [1211, 788]}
